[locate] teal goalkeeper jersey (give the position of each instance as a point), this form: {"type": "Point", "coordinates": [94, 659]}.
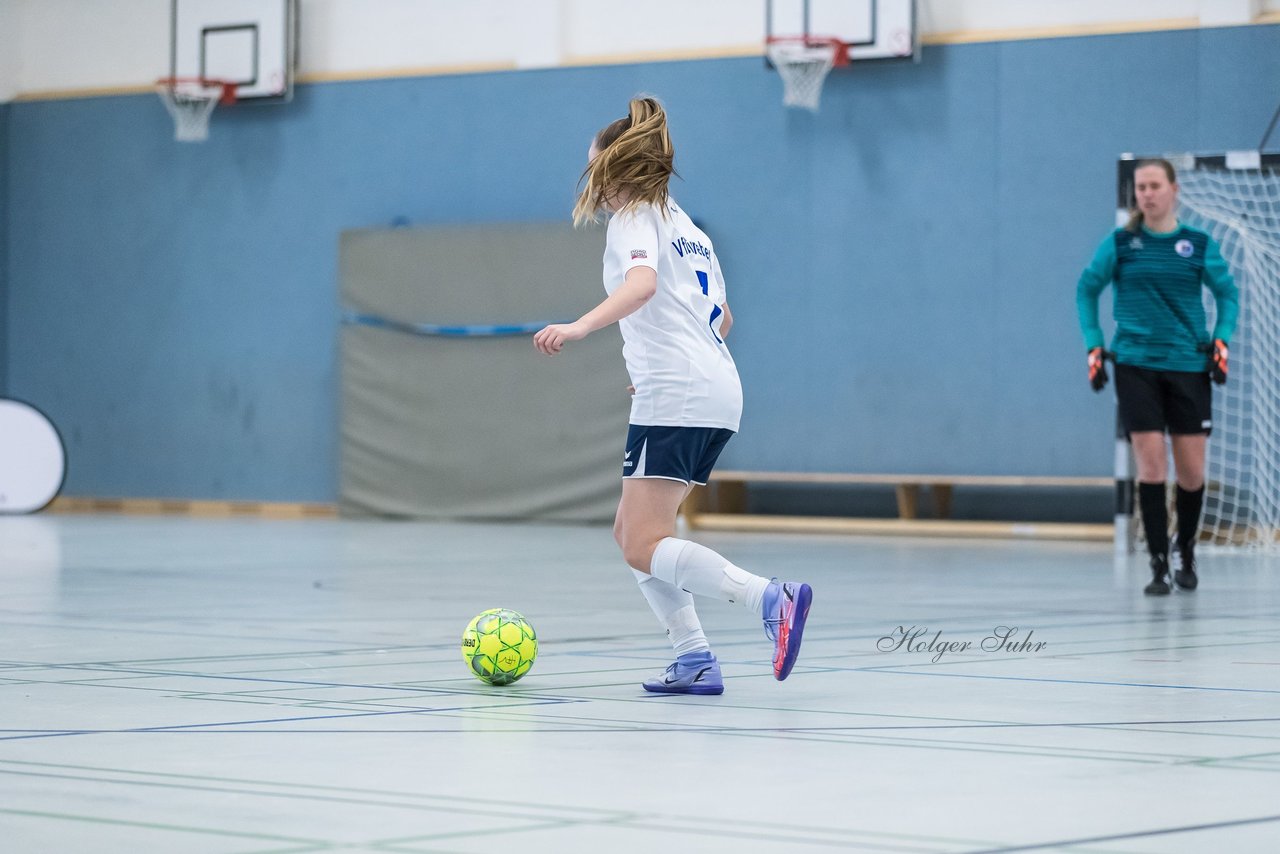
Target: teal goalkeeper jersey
{"type": "Point", "coordinates": [1159, 311]}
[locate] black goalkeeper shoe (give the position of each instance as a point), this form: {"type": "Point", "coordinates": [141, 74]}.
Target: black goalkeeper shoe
{"type": "Point", "coordinates": [1185, 575]}
{"type": "Point", "coordinates": [1159, 585]}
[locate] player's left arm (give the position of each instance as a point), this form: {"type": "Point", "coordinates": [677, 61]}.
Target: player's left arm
{"type": "Point", "coordinates": [726, 321]}
{"type": "Point", "coordinates": [1217, 277]}
{"type": "Point", "coordinates": [721, 297]}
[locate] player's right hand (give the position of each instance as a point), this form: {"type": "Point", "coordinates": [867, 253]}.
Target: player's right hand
{"type": "Point", "coordinates": [1097, 369]}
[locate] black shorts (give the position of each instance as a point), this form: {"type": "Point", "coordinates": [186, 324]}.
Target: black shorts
{"type": "Point", "coordinates": [686, 454]}
{"type": "Point", "coordinates": [1177, 401]}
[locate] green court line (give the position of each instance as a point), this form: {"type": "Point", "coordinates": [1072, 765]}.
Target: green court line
{"type": "Point", "coordinates": [400, 844]}
{"type": "Point", "coordinates": [604, 816]}
{"type": "Point", "coordinates": [1134, 835]}
{"type": "Point", "coordinates": [589, 815]}
{"type": "Point", "coordinates": [1158, 730]}
{"type": "Point", "coordinates": [641, 823]}
{"type": "Point", "coordinates": [993, 748]}
{"type": "Point", "coordinates": [1065, 752]}
{"type": "Point", "coordinates": [786, 832]}
{"type": "Point", "coordinates": [1274, 756]}
{"type": "Point", "coordinates": [148, 825]}
{"type": "Point", "coordinates": [450, 801]}
{"type": "Point", "coordinates": [850, 839]}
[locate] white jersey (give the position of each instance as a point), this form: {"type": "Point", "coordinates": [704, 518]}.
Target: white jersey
{"type": "Point", "coordinates": [679, 365]}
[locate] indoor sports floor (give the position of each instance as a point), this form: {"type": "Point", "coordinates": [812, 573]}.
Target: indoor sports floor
{"type": "Point", "coordinates": [241, 685]}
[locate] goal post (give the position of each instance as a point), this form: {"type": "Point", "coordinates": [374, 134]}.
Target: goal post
{"type": "Point", "coordinates": [1235, 197]}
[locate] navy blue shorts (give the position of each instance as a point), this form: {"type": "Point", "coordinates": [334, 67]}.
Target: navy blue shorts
{"type": "Point", "coordinates": [686, 454]}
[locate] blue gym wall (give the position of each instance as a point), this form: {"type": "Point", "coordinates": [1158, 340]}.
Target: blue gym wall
{"type": "Point", "coordinates": [4, 249]}
{"type": "Point", "coordinates": [901, 266]}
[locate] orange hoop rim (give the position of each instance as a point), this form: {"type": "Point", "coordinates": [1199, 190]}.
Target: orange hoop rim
{"type": "Point", "coordinates": [226, 87]}
{"type": "Point", "coordinates": [841, 54]}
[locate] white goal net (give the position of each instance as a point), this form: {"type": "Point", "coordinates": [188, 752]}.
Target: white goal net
{"type": "Point", "coordinates": [1240, 207]}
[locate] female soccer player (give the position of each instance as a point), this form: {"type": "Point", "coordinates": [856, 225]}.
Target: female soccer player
{"type": "Point", "coordinates": [667, 295]}
{"type": "Point", "coordinates": [1160, 346]}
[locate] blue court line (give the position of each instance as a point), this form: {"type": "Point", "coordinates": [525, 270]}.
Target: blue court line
{"type": "Point", "coordinates": [306, 683]}
{"type": "Point", "coordinates": [585, 729]}
{"type": "Point", "coordinates": [132, 630]}
{"type": "Point", "coordinates": [479, 330]}
{"type": "Point", "coordinates": [1140, 834]}
{"type": "Point", "coordinates": [364, 686]}
{"type": "Point", "coordinates": [892, 669]}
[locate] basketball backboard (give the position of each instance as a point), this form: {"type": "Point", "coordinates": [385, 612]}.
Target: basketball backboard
{"type": "Point", "coordinates": [873, 29]}
{"type": "Point", "coordinates": [251, 43]}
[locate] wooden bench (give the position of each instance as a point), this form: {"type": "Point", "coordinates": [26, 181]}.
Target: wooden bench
{"type": "Point", "coordinates": [722, 503]}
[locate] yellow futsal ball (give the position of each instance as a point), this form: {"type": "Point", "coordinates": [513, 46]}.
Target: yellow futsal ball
{"type": "Point", "coordinates": [499, 646]}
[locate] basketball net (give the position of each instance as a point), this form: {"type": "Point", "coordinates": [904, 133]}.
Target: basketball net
{"type": "Point", "coordinates": [803, 65]}
{"type": "Point", "coordinates": [191, 103]}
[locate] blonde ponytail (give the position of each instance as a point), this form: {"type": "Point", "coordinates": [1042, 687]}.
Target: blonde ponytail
{"type": "Point", "coordinates": [634, 162]}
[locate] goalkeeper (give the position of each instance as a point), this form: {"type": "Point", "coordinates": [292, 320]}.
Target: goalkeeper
{"type": "Point", "coordinates": [1164, 357]}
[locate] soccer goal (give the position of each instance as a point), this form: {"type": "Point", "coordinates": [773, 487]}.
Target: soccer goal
{"type": "Point", "coordinates": [1236, 198]}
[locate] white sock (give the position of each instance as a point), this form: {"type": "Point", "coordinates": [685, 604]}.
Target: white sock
{"type": "Point", "coordinates": [674, 609]}
{"type": "Point", "coordinates": [702, 572]}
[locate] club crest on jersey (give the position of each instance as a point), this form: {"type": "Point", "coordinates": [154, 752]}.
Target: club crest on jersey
{"type": "Point", "coordinates": [691, 246]}
{"type": "Point", "coordinates": [639, 253]}
{"type": "Point", "coordinates": [1184, 248]}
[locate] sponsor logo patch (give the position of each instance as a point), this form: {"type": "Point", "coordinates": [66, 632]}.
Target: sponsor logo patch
{"type": "Point", "coordinates": [639, 253]}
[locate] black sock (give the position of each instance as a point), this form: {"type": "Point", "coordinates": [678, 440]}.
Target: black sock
{"type": "Point", "coordinates": [1188, 504]}
{"type": "Point", "coordinates": [1155, 518]}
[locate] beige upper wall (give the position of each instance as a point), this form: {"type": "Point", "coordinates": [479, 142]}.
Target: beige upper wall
{"type": "Point", "coordinates": [52, 47]}
{"type": "Point", "coordinates": [945, 18]}
{"type": "Point", "coordinates": [9, 50]}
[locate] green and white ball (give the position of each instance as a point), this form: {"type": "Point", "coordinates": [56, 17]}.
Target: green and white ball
{"type": "Point", "coordinates": [499, 646]}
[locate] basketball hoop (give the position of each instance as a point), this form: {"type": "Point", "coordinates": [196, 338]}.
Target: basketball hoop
{"type": "Point", "coordinates": [803, 63]}
{"type": "Point", "coordinates": [191, 100]}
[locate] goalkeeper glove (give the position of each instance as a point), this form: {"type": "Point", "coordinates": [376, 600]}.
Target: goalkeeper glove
{"type": "Point", "coordinates": [1097, 368]}
{"type": "Point", "coordinates": [1218, 361]}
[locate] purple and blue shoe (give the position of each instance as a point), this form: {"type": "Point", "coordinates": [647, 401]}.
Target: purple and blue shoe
{"type": "Point", "coordinates": [693, 673]}
{"type": "Point", "coordinates": [786, 607]}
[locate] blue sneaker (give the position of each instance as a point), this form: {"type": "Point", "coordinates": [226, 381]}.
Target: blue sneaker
{"type": "Point", "coordinates": [695, 673]}
{"type": "Point", "coordinates": [786, 607]}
